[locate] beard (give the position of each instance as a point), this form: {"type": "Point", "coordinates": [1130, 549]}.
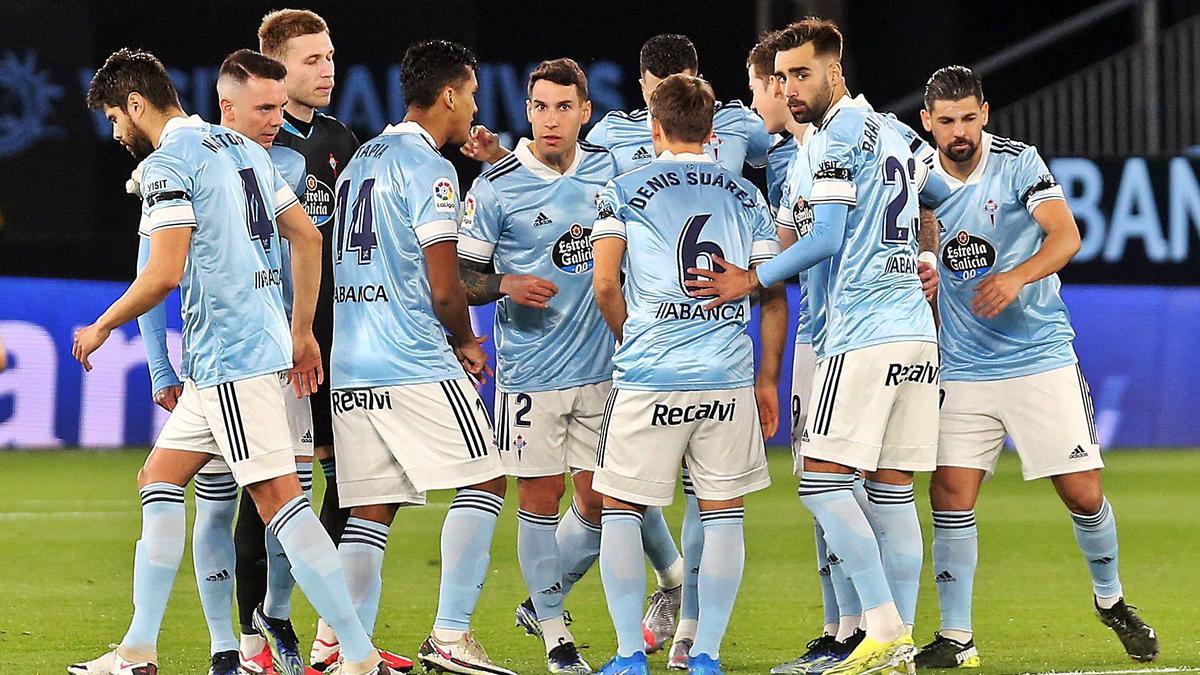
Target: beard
{"type": "Point", "coordinates": [960, 154]}
{"type": "Point", "coordinates": [139, 144]}
{"type": "Point", "coordinates": [814, 110]}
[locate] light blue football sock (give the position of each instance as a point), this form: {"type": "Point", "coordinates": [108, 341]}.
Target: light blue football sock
{"type": "Point", "coordinates": [955, 557]}
{"type": "Point", "coordinates": [578, 545]}
{"type": "Point", "coordinates": [660, 549]}
{"type": "Point", "coordinates": [829, 597]}
{"type": "Point", "coordinates": [721, 567]}
{"type": "Point", "coordinates": [830, 498]}
{"type": "Point", "coordinates": [898, 531]}
{"type": "Point", "coordinates": [466, 551]}
{"type": "Point", "coordinates": [1097, 538]}
{"type": "Point", "coordinates": [277, 603]}
{"type": "Point", "coordinates": [213, 555]}
{"type": "Point", "coordinates": [155, 562]}
{"type": "Point", "coordinates": [541, 566]}
{"type": "Point", "coordinates": [693, 550]}
{"type": "Point", "coordinates": [623, 573]}
{"type": "Point", "coordinates": [318, 571]}
{"type": "Point", "coordinates": [361, 550]}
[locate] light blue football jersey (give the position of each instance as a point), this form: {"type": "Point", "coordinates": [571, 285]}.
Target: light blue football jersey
{"type": "Point", "coordinates": [530, 219]}
{"type": "Point", "coordinates": [790, 179]}
{"type": "Point", "coordinates": [396, 196]}
{"type": "Point", "coordinates": [676, 213]}
{"type": "Point", "coordinates": [868, 293]}
{"type": "Point", "coordinates": [223, 186]}
{"type": "Point", "coordinates": [989, 227]}
{"type": "Point", "coordinates": [740, 137]}
{"type": "Point", "coordinates": [291, 166]}
{"type": "Point", "coordinates": [153, 324]}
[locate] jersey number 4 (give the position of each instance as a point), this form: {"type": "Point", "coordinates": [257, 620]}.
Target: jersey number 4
{"type": "Point", "coordinates": [895, 231]}
{"type": "Point", "coordinates": [693, 252]}
{"type": "Point", "coordinates": [258, 219]}
{"type": "Point", "coordinates": [359, 233]}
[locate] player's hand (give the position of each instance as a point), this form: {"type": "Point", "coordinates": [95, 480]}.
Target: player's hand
{"type": "Point", "coordinates": [528, 290]}
{"type": "Point", "coordinates": [995, 293]}
{"type": "Point", "coordinates": [929, 279]}
{"type": "Point", "coordinates": [726, 282]}
{"type": "Point", "coordinates": [483, 145]}
{"type": "Point", "coordinates": [767, 396]}
{"type": "Point", "coordinates": [168, 396]}
{"type": "Point", "coordinates": [134, 185]}
{"type": "Point", "coordinates": [87, 340]}
{"type": "Point", "coordinates": [474, 359]}
{"type": "Point", "coordinates": [307, 372]}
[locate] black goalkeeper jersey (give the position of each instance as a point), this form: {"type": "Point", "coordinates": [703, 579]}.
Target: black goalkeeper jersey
{"type": "Point", "coordinates": [327, 146]}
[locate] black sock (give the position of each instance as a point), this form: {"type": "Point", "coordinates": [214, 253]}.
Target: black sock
{"type": "Point", "coordinates": [249, 540]}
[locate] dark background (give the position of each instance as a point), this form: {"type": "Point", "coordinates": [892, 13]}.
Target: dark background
{"type": "Point", "coordinates": [63, 211]}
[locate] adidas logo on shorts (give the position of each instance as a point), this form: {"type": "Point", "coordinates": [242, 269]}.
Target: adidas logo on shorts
{"type": "Point", "coordinates": [641, 154]}
{"type": "Point", "coordinates": [1078, 453]}
{"type": "Point", "coordinates": [307, 437]}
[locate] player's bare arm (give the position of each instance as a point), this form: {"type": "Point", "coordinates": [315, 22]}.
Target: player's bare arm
{"type": "Point", "coordinates": [998, 291]}
{"type": "Point", "coordinates": [450, 306]}
{"type": "Point", "coordinates": [607, 253]}
{"type": "Point", "coordinates": [3, 357]}
{"type": "Point", "coordinates": [772, 327]}
{"type": "Point", "coordinates": [160, 276]}
{"type": "Point", "coordinates": [928, 240]}
{"type": "Point", "coordinates": [305, 240]}
{"type": "Point", "coordinates": [484, 286]}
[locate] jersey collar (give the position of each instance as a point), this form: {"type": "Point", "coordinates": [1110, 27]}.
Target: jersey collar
{"type": "Point", "coordinates": [174, 123]}
{"type": "Point", "coordinates": [667, 155]}
{"type": "Point", "coordinates": [524, 153]}
{"type": "Point", "coordinates": [410, 128]}
{"type": "Point", "coordinates": [985, 142]}
{"type": "Point", "coordinates": [846, 101]}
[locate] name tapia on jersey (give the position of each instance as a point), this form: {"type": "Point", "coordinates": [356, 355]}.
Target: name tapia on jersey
{"type": "Point", "coordinates": [677, 213]}
{"type": "Point", "coordinates": [739, 137]}
{"type": "Point", "coordinates": [868, 293]}
{"type": "Point", "coordinates": [989, 227]}
{"type": "Point", "coordinates": [397, 196]}
{"type": "Point", "coordinates": [227, 191]}
{"type": "Point", "coordinates": [527, 218]}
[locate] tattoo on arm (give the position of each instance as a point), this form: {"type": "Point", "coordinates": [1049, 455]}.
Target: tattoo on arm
{"type": "Point", "coordinates": [483, 284]}
{"type": "Point", "coordinates": [929, 235]}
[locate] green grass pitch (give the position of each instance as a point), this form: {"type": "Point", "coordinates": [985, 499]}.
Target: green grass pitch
{"type": "Point", "coordinates": [68, 521]}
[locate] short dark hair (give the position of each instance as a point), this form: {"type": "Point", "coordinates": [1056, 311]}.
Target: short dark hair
{"type": "Point", "coordinates": [560, 71]}
{"type": "Point", "coordinates": [667, 54]}
{"type": "Point", "coordinates": [762, 55]}
{"type": "Point", "coordinates": [952, 83]}
{"type": "Point", "coordinates": [683, 105]}
{"type": "Point", "coordinates": [824, 35]}
{"type": "Point", "coordinates": [246, 63]}
{"type": "Point", "coordinates": [284, 24]}
{"type": "Point", "coordinates": [127, 71]}
{"type": "Point", "coordinates": [428, 67]}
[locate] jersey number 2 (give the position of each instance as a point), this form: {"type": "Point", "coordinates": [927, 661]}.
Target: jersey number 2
{"type": "Point", "coordinates": [359, 234]}
{"type": "Point", "coordinates": [894, 231]}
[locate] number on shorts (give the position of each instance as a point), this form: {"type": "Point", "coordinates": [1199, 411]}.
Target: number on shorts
{"type": "Point", "coordinates": [526, 403]}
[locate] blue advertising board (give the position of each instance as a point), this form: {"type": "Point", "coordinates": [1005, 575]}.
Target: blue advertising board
{"type": "Point", "coordinates": [1137, 345]}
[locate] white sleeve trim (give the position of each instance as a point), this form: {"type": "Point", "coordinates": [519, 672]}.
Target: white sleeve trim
{"type": "Point", "coordinates": [763, 250]}
{"type": "Point", "coordinates": [475, 249]}
{"type": "Point", "coordinates": [284, 198]}
{"type": "Point", "coordinates": [1043, 196]}
{"type": "Point", "coordinates": [178, 215]}
{"type": "Point", "coordinates": [922, 176]}
{"type": "Point", "coordinates": [830, 191]}
{"type": "Point", "coordinates": [784, 217]}
{"type": "Point", "coordinates": [609, 227]}
{"type": "Point", "coordinates": [436, 231]}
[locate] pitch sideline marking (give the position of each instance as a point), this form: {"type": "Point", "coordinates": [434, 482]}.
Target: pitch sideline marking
{"type": "Point", "coordinates": [1131, 671]}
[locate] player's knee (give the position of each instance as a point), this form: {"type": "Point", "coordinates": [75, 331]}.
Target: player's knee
{"type": "Point", "coordinates": [1084, 500]}
{"type": "Point", "coordinates": [376, 513]}
{"type": "Point", "coordinates": [948, 492]}
{"type": "Point", "coordinates": [497, 486]}
{"type": "Point", "coordinates": [541, 495]}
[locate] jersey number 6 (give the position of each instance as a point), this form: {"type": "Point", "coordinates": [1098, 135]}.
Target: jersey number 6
{"type": "Point", "coordinates": [695, 253]}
